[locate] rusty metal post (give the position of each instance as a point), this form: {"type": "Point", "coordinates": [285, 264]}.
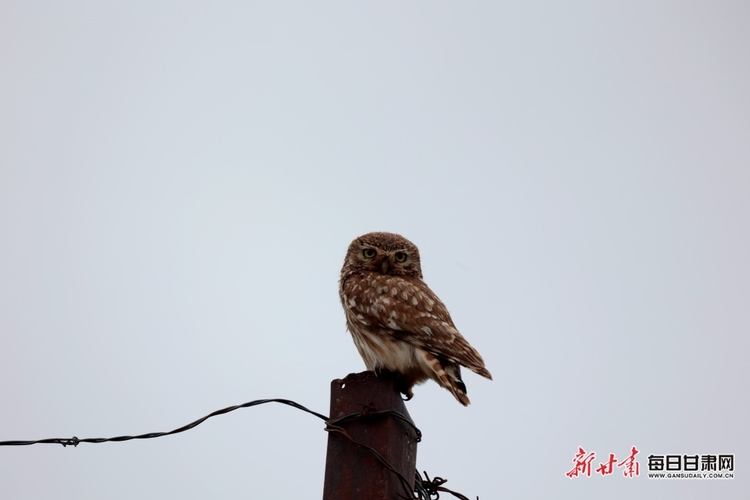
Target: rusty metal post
{"type": "Point", "coordinates": [354, 473]}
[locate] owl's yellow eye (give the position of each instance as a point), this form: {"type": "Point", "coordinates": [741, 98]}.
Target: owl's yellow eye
{"type": "Point", "coordinates": [368, 253]}
{"type": "Point", "coordinates": [400, 257]}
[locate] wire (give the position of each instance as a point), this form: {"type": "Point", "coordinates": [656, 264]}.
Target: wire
{"type": "Point", "coordinates": [424, 489]}
{"type": "Point", "coordinates": [74, 441]}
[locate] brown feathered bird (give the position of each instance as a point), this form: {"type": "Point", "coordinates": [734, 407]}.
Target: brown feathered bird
{"type": "Point", "coordinates": [398, 324]}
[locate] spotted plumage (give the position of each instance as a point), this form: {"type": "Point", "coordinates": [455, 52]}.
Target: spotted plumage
{"type": "Point", "coordinates": [398, 324]}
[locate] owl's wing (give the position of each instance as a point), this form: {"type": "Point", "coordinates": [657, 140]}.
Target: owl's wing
{"type": "Point", "coordinates": [413, 313]}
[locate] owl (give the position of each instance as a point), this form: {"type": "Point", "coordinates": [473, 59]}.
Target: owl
{"type": "Point", "coordinates": [398, 324]}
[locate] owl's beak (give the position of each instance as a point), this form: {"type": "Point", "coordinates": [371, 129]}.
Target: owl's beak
{"type": "Point", "coordinates": [384, 266]}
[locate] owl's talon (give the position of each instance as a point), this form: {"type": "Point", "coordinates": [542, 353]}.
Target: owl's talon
{"type": "Point", "coordinates": [408, 393]}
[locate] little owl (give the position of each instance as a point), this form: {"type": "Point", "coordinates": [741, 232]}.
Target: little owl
{"type": "Point", "coordinates": [398, 324]}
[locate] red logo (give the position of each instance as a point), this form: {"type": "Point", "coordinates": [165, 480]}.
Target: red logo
{"type": "Point", "coordinates": [583, 459]}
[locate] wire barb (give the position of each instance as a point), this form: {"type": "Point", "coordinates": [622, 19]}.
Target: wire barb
{"type": "Point", "coordinates": [429, 489]}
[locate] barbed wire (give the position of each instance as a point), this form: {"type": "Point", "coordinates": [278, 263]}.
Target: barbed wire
{"type": "Point", "coordinates": [74, 441]}
{"type": "Point", "coordinates": [424, 489]}
{"type": "Point", "coordinates": [429, 489]}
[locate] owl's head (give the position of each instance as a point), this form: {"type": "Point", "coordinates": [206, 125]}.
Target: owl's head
{"type": "Point", "coordinates": [383, 253]}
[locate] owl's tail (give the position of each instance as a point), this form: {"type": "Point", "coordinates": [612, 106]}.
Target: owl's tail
{"type": "Point", "coordinates": [455, 383]}
{"type": "Point", "coordinates": [447, 374]}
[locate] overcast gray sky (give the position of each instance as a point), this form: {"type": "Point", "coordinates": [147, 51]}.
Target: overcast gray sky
{"type": "Point", "coordinates": [179, 182]}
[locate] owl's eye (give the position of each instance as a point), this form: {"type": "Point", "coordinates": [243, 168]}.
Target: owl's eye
{"type": "Point", "coordinates": [400, 257]}
{"type": "Point", "coordinates": [368, 253]}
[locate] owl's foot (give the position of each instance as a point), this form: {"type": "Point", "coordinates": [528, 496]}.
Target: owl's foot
{"type": "Point", "coordinates": [403, 384]}
{"type": "Point", "coordinates": [404, 387]}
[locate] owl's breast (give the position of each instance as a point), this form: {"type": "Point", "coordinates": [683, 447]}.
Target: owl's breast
{"type": "Point", "coordinates": [380, 349]}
